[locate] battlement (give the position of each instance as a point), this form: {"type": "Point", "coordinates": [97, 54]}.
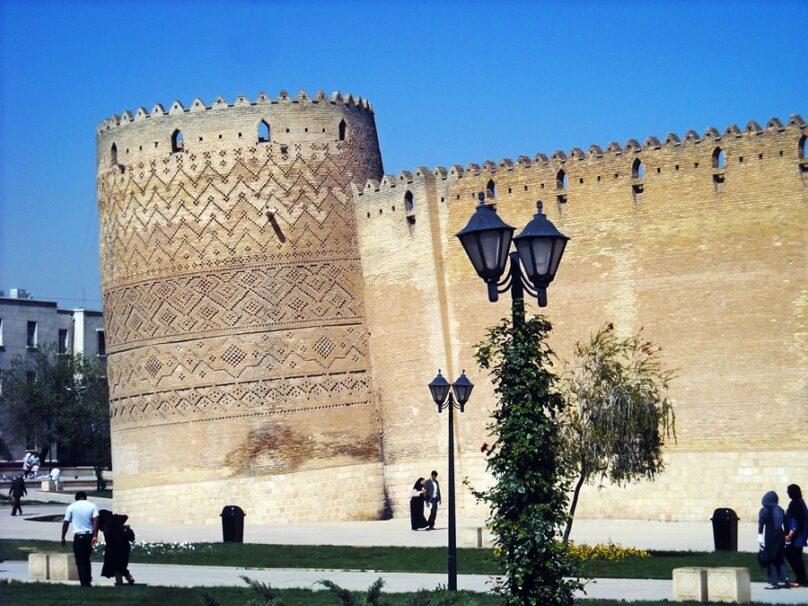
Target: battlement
{"type": "Point", "coordinates": [197, 105]}
{"type": "Point", "coordinates": [283, 123]}
{"type": "Point", "coordinates": [617, 161]}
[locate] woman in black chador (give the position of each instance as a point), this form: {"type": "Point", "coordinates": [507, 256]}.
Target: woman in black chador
{"type": "Point", "coordinates": [417, 519]}
{"type": "Point", "coordinates": [117, 537]}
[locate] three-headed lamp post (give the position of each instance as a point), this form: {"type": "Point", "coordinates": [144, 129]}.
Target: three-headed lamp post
{"type": "Point", "coordinates": [451, 396]}
{"type": "Point", "coordinates": [487, 242]}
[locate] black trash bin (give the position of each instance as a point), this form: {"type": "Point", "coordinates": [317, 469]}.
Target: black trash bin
{"type": "Point", "coordinates": [725, 529]}
{"type": "Point", "coordinates": [232, 524]}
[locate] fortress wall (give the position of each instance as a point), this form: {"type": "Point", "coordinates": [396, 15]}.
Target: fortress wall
{"type": "Point", "coordinates": [405, 292]}
{"type": "Point", "coordinates": [238, 352]}
{"type": "Point", "coordinates": [714, 272]}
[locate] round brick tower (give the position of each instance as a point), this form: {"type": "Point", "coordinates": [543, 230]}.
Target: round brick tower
{"type": "Point", "coordinates": [233, 301]}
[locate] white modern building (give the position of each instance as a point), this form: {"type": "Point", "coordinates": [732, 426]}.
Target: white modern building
{"type": "Point", "coordinates": [26, 324]}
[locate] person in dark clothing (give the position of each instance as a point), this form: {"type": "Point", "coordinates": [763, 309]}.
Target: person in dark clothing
{"type": "Point", "coordinates": [117, 537]}
{"type": "Point", "coordinates": [797, 537]}
{"type": "Point", "coordinates": [417, 519]}
{"type": "Point", "coordinates": [433, 498]}
{"type": "Point", "coordinates": [772, 538]}
{"type": "Point", "coordinates": [17, 492]}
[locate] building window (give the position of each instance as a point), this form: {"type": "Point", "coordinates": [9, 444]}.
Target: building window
{"type": "Point", "coordinates": [561, 180]}
{"type": "Point", "coordinates": [62, 340]}
{"type": "Point", "coordinates": [177, 142]}
{"type": "Point", "coordinates": [342, 127]}
{"type": "Point", "coordinates": [638, 169]}
{"type": "Point", "coordinates": [719, 158]}
{"type": "Point", "coordinates": [102, 345]}
{"type": "Point", "coordinates": [409, 202]}
{"type": "Point", "coordinates": [802, 146]}
{"type": "Point", "coordinates": [263, 132]}
{"type": "Point", "coordinates": [1, 332]}
{"type": "Point", "coordinates": [113, 154]}
{"type": "Point", "coordinates": [491, 189]}
{"type": "Point", "coordinates": [32, 334]}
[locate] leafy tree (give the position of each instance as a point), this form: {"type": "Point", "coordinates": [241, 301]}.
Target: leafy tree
{"type": "Point", "coordinates": [619, 412]}
{"type": "Point", "coordinates": [54, 398]}
{"type": "Point", "coordinates": [528, 502]}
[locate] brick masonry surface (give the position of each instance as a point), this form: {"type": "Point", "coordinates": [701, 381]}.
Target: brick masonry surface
{"type": "Point", "coordinates": [275, 308]}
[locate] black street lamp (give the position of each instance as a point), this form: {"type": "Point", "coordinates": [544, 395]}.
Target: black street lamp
{"type": "Point", "coordinates": [442, 394]}
{"type": "Point", "coordinates": [487, 242]}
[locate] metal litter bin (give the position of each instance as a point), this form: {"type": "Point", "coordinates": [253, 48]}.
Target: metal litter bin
{"type": "Point", "coordinates": [725, 529]}
{"type": "Point", "coordinates": [232, 524]}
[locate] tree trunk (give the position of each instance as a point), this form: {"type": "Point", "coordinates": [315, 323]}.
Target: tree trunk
{"type": "Point", "coordinates": [573, 506]}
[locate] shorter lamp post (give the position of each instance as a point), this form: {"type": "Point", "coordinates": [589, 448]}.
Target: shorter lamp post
{"type": "Point", "coordinates": [487, 242]}
{"type": "Point", "coordinates": [442, 394]}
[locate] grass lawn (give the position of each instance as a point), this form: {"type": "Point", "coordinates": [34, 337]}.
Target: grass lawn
{"type": "Point", "coordinates": [390, 559]}
{"type": "Point", "coordinates": [44, 594]}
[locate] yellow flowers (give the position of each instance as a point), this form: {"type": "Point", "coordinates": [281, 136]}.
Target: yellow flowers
{"type": "Point", "coordinates": [610, 552]}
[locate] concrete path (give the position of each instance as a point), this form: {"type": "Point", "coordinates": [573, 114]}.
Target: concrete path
{"type": "Point", "coordinates": [211, 576]}
{"type": "Point", "coordinates": [679, 536]}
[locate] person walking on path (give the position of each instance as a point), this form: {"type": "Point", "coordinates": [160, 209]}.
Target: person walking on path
{"type": "Point", "coordinates": [772, 538]}
{"type": "Point", "coordinates": [55, 477]}
{"type": "Point", "coordinates": [117, 539]}
{"type": "Point", "coordinates": [417, 519]}
{"type": "Point", "coordinates": [84, 516]}
{"type": "Point", "coordinates": [797, 537]}
{"type": "Point", "coordinates": [433, 498]}
{"type": "Point", "coordinates": [17, 491]}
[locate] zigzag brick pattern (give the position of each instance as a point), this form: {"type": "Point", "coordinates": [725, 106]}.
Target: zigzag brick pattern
{"type": "Point", "coordinates": [233, 295]}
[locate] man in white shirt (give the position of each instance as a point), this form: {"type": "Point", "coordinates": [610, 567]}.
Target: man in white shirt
{"type": "Point", "coordinates": [84, 515]}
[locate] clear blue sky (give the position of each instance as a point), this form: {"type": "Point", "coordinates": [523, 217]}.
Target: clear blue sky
{"type": "Point", "coordinates": [451, 83]}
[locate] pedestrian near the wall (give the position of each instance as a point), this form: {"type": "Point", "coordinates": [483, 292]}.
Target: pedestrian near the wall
{"type": "Point", "coordinates": [117, 539]}
{"type": "Point", "coordinates": [55, 477]}
{"type": "Point", "coordinates": [433, 498]}
{"type": "Point", "coordinates": [17, 491]}
{"type": "Point", "coordinates": [772, 539]}
{"type": "Point", "coordinates": [417, 519]}
{"type": "Point", "coordinates": [84, 516]}
{"type": "Point", "coordinates": [797, 537]}
{"type": "Point", "coordinates": [27, 462]}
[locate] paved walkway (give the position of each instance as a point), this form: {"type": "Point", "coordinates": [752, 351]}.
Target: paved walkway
{"type": "Point", "coordinates": [649, 535]}
{"type": "Point", "coordinates": [210, 576]}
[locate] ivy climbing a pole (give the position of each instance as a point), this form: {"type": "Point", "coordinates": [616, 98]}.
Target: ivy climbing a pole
{"type": "Point", "coordinates": [528, 502]}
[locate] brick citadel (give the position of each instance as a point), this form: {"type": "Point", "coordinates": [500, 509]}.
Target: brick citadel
{"type": "Point", "coordinates": [275, 306]}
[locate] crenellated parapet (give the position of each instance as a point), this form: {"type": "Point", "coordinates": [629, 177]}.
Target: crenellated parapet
{"type": "Point", "coordinates": [554, 176]}
{"type": "Point", "coordinates": [281, 121]}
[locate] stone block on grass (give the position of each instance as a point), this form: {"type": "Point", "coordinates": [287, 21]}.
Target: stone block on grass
{"type": "Point", "coordinates": [728, 584]}
{"type": "Point", "coordinates": [63, 567]}
{"type": "Point", "coordinates": [38, 566]}
{"type": "Point", "coordinates": [690, 584]}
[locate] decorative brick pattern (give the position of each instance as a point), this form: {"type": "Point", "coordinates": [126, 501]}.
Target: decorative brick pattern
{"type": "Point", "coordinates": [233, 292]}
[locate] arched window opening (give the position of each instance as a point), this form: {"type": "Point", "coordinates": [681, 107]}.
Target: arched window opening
{"type": "Point", "coordinates": [263, 132]}
{"type": "Point", "coordinates": [491, 189]}
{"type": "Point", "coordinates": [113, 154]}
{"type": "Point", "coordinates": [409, 202]}
{"type": "Point", "coordinates": [638, 169]}
{"type": "Point", "coordinates": [177, 142]}
{"type": "Point", "coordinates": [342, 127]}
{"type": "Point", "coordinates": [719, 158]}
{"type": "Point", "coordinates": [802, 146]}
{"type": "Point", "coordinates": [561, 179]}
